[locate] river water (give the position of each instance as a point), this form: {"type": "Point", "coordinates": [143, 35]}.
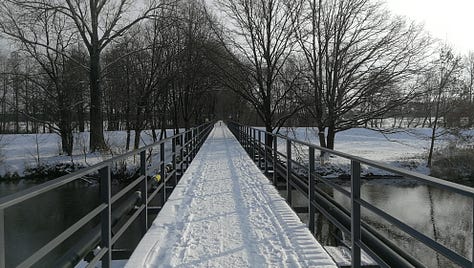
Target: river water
{"type": "Point", "coordinates": [31, 224]}
{"type": "Point", "coordinates": [444, 216]}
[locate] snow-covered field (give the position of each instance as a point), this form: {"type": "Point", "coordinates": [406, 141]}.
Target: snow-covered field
{"type": "Point", "coordinates": [225, 213]}
{"type": "Point", "coordinates": [407, 148]}
{"type": "Point", "coordinates": [21, 151]}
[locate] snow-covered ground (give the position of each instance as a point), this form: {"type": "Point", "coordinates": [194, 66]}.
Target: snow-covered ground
{"type": "Point", "coordinates": [225, 213]}
{"type": "Point", "coordinates": [21, 151]}
{"type": "Point", "coordinates": [407, 148]}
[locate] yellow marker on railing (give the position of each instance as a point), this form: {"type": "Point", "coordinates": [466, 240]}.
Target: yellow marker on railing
{"type": "Point", "coordinates": [157, 177]}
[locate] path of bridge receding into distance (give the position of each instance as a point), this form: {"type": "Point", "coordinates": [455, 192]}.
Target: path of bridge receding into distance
{"type": "Point", "coordinates": [224, 212]}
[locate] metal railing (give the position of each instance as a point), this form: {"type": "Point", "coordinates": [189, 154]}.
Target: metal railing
{"type": "Point", "coordinates": [262, 146]}
{"type": "Point", "coordinates": [190, 142]}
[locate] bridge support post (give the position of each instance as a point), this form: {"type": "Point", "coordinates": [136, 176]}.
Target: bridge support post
{"type": "Point", "coordinates": [105, 217]}
{"type": "Point", "coordinates": [144, 193]}
{"type": "Point", "coordinates": [288, 172]}
{"type": "Point", "coordinates": [355, 213]}
{"type": "Point", "coordinates": [311, 184]}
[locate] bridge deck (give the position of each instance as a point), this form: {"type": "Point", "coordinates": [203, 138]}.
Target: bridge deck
{"type": "Point", "coordinates": [225, 213]}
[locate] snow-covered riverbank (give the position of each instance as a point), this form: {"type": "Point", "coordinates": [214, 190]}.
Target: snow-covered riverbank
{"type": "Point", "coordinates": [407, 148]}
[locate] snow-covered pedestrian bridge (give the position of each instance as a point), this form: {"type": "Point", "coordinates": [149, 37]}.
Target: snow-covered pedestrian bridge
{"type": "Point", "coordinates": [225, 213]}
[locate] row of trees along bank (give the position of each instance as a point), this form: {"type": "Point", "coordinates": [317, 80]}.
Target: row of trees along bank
{"type": "Point", "coordinates": [327, 63]}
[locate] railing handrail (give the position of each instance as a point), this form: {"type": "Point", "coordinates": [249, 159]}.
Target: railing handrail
{"type": "Point", "coordinates": [250, 137]}
{"type": "Point", "coordinates": [18, 197]}
{"type": "Point", "coordinates": [455, 187]}
{"type": "Point", "coordinates": [191, 142]}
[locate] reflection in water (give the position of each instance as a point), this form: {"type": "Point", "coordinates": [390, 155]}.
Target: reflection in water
{"type": "Point", "coordinates": [31, 224]}
{"type": "Point", "coordinates": [444, 216]}
{"type": "Point", "coordinates": [441, 215]}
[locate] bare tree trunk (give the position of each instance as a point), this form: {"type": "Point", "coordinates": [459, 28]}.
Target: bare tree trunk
{"type": "Point", "coordinates": [136, 143]}
{"type": "Point", "coordinates": [435, 125]}
{"type": "Point", "coordinates": [322, 136]}
{"type": "Point", "coordinates": [330, 138]}
{"type": "Point", "coordinates": [97, 141]}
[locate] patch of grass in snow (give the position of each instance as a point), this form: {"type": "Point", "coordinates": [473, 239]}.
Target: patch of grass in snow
{"type": "Point", "coordinates": [45, 172]}
{"type": "Point", "coordinates": [454, 164]}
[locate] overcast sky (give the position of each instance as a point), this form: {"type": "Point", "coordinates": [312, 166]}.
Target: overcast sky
{"type": "Point", "coordinates": [449, 20]}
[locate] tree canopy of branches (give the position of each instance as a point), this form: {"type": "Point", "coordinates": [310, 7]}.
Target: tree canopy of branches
{"type": "Point", "coordinates": [441, 78]}
{"type": "Point", "coordinates": [46, 39]}
{"type": "Point", "coordinates": [96, 23]}
{"type": "Point", "coordinates": [359, 62]}
{"type": "Point", "coordinates": [261, 37]}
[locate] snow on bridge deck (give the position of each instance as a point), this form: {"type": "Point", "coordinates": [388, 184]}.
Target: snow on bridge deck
{"type": "Point", "coordinates": [225, 213]}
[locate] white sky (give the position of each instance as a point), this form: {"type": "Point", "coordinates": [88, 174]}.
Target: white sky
{"type": "Point", "coordinates": [449, 20]}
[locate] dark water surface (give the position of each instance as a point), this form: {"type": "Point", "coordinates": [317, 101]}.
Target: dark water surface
{"type": "Point", "coordinates": [444, 216]}
{"type": "Point", "coordinates": [33, 223]}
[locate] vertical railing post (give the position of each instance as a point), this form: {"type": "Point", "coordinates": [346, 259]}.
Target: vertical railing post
{"type": "Point", "coordinates": [250, 142]}
{"type": "Point", "coordinates": [288, 171]}
{"type": "Point", "coordinates": [239, 133]}
{"type": "Point", "coordinates": [200, 137]}
{"type": "Point", "coordinates": [254, 151]}
{"type": "Point", "coordinates": [181, 152]}
{"type": "Point", "coordinates": [195, 138]}
{"type": "Point", "coordinates": [188, 149]}
{"type": "Point", "coordinates": [311, 185]}
{"type": "Point", "coordinates": [106, 226]}
{"type": "Point", "coordinates": [183, 148]}
{"type": "Point", "coordinates": [144, 193]}
{"type": "Point", "coordinates": [191, 150]}
{"type": "Point", "coordinates": [275, 158]}
{"type": "Point", "coordinates": [259, 146]}
{"type": "Point", "coordinates": [355, 213]}
{"type": "Point", "coordinates": [2, 239]}
{"type": "Point", "coordinates": [173, 149]}
{"type": "Point", "coordinates": [265, 163]}
{"type": "Point", "coordinates": [162, 170]}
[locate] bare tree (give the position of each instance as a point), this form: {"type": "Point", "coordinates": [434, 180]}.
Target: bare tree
{"type": "Point", "coordinates": [360, 60]}
{"type": "Point", "coordinates": [446, 72]}
{"type": "Point", "coordinates": [56, 68]}
{"type": "Point", "coordinates": [262, 39]}
{"type": "Point", "coordinates": [97, 23]}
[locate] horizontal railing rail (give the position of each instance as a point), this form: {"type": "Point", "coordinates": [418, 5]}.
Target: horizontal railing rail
{"type": "Point", "coordinates": [262, 146]}
{"type": "Point", "coordinates": [190, 142]}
